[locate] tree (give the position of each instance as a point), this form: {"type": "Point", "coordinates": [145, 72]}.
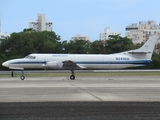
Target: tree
{"type": "Point", "coordinates": [49, 47]}
{"type": "Point", "coordinates": [117, 44]}
{"type": "Point", "coordinates": [76, 47]}
{"type": "Point", "coordinates": [97, 47]}
{"type": "Point", "coordinates": [29, 41]}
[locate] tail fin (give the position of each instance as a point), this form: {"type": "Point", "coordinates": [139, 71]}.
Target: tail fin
{"type": "Point", "coordinates": [147, 48]}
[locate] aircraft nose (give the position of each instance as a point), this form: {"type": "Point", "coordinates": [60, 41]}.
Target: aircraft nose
{"type": "Point", "coordinates": [5, 64]}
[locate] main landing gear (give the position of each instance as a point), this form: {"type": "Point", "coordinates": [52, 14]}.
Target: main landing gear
{"type": "Point", "coordinates": [72, 77]}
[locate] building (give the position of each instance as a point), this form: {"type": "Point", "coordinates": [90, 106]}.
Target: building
{"type": "Point", "coordinates": [41, 23]}
{"type": "Point", "coordinates": [80, 37]}
{"type": "Point", "coordinates": [3, 36]}
{"type": "Point", "coordinates": [104, 35]}
{"type": "Point", "coordinates": [141, 32]}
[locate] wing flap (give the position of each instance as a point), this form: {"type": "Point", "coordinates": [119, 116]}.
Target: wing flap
{"type": "Point", "coordinates": [137, 52]}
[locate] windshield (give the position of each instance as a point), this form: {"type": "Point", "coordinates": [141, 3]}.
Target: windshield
{"type": "Point", "coordinates": [30, 57]}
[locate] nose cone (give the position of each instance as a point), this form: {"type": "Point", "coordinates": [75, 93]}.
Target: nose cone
{"type": "Point", "coordinates": [5, 64]}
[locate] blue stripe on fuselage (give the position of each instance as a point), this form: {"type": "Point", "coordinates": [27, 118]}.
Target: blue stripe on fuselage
{"type": "Point", "coordinates": [114, 62]}
{"type": "Point", "coordinates": [92, 62]}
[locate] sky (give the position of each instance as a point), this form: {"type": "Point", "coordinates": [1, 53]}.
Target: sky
{"type": "Point", "coordinates": [78, 17]}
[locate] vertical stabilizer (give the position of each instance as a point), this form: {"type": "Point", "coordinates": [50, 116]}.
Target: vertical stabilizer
{"type": "Point", "coordinates": [146, 49]}
{"type": "Point", "coordinates": [149, 45]}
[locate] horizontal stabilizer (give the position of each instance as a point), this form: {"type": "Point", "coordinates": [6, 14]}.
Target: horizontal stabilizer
{"type": "Point", "coordinates": [135, 52]}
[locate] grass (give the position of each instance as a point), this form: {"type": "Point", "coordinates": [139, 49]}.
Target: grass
{"type": "Point", "coordinates": [86, 74]}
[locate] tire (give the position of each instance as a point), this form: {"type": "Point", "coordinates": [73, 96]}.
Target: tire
{"type": "Point", "coordinates": [72, 77]}
{"type": "Point", "coordinates": [22, 77]}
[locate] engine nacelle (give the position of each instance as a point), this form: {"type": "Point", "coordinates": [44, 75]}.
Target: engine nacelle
{"type": "Point", "coordinates": [52, 64]}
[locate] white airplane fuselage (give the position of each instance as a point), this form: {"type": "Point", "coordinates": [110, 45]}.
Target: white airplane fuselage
{"type": "Point", "coordinates": [84, 61]}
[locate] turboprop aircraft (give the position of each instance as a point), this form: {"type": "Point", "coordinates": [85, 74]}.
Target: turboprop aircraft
{"type": "Point", "coordinates": [131, 58]}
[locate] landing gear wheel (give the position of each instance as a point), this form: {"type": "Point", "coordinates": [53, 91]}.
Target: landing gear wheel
{"type": "Point", "coordinates": [22, 77]}
{"type": "Point", "coordinates": [72, 77]}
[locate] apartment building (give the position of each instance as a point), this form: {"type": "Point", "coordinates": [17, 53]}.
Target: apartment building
{"type": "Point", "coordinates": [41, 23]}
{"type": "Point", "coordinates": [142, 31]}
{"type": "Point", "coordinates": [80, 37]}
{"type": "Point", "coordinates": [3, 36]}
{"type": "Point", "coordinates": [104, 35]}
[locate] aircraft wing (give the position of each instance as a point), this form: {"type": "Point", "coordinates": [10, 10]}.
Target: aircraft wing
{"type": "Point", "coordinates": [71, 64]}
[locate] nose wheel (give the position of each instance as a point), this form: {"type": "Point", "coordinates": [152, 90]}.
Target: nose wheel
{"type": "Point", "coordinates": [72, 77]}
{"type": "Point", "coordinates": [22, 77]}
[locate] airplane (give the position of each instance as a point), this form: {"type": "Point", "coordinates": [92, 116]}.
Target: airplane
{"type": "Point", "coordinates": [132, 58]}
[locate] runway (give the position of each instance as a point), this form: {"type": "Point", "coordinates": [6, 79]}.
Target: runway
{"type": "Point", "coordinates": [46, 89]}
{"type": "Point", "coordinates": [111, 97]}
{"type": "Point", "coordinates": [80, 111]}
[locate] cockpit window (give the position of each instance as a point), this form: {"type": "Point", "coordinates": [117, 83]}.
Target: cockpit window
{"type": "Point", "coordinates": [27, 56]}
{"type": "Point", "coordinates": [30, 57]}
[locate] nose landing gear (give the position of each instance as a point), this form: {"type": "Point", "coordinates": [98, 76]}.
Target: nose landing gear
{"type": "Point", "coordinates": [22, 77]}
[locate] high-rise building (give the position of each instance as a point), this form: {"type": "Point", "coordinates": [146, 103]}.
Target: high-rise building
{"type": "Point", "coordinates": [104, 35]}
{"type": "Point", "coordinates": [142, 31]}
{"type": "Point", "coordinates": [41, 23]}
{"type": "Point", "coordinates": [3, 36]}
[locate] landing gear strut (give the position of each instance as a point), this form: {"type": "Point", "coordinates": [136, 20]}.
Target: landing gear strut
{"type": "Point", "coordinates": [22, 77]}
{"type": "Point", "coordinates": [72, 77]}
